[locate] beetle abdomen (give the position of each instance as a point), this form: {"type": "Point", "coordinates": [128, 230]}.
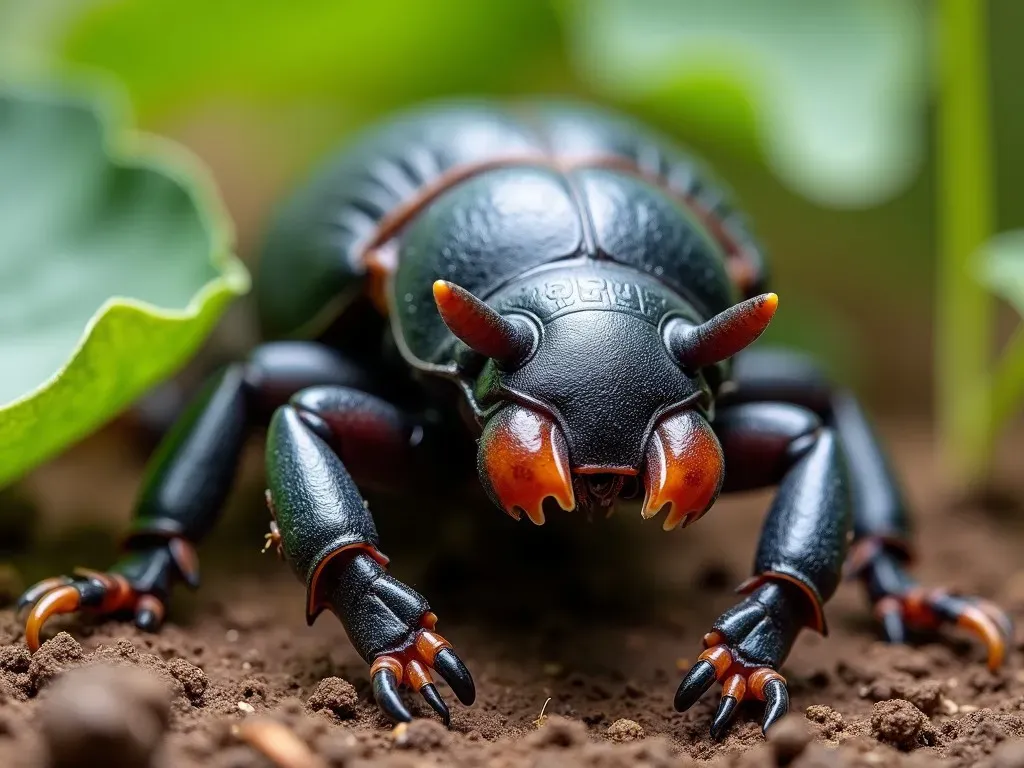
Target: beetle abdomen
{"type": "Point", "coordinates": [477, 194]}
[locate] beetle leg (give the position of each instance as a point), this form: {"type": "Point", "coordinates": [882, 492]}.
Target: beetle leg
{"type": "Point", "coordinates": [328, 536]}
{"type": "Point", "coordinates": [188, 481]}
{"type": "Point", "coordinates": [105, 594]}
{"type": "Point", "coordinates": [901, 605]}
{"type": "Point", "coordinates": [881, 525]}
{"type": "Point", "coordinates": [799, 557]}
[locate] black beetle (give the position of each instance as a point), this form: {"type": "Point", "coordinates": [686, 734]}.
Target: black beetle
{"type": "Point", "coordinates": [584, 286]}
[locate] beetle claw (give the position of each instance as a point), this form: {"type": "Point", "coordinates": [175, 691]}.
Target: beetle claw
{"type": "Point", "coordinates": [63, 599]}
{"type": "Point", "coordinates": [739, 683]}
{"type": "Point", "coordinates": [922, 609]}
{"type": "Point", "coordinates": [385, 692]}
{"type": "Point", "coordinates": [433, 698]}
{"type": "Point", "coordinates": [102, 593]}
{"type": "Point", "coordinates": [411, 667]}
{"type": "Point", "coordinates": [450, 667]}
{"type": "Point", "coordinates": [33, 594]}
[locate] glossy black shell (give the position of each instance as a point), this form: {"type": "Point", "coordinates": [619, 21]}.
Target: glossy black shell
{"type": "Point", "coordinates": [493, 193]}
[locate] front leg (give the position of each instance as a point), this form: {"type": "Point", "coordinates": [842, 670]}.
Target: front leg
{"type": "Point", "coordinates": [799, 558]}
{"type": "Point", "coordinates": [327, 534]}
{"type": "Point", "coordinates": [186, 484]}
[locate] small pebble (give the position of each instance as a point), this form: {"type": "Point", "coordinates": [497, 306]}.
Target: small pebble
{"type": "Point", "coordinates": [831, 722]}
{"type": "Point", "coordinates": [1009, 754]}
{"type": "Point", "coordinates": [898, 722]}
{"type": "Point", "coordinates": [115, 711]}
{"type": "Point", "coordinates": [336, 695]}
{"type": "Point", "coordinates": [231, 635]}
{"type": "Point", "coordinates": [625, 730]}
{"type": "Point", "coordinates": [246, 707]}
{"type": "Point", "coordinates": [421, 734]}
{"type": "Point", "coordinates": [789, 738]}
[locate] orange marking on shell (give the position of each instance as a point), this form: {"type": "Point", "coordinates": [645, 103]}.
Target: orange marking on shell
{"type": "Point", "coordinates": [381, 264]}
{"type": "Point", "coordinates": [526, 460]}
{"type": "Point", "coordinates": [684, 468]}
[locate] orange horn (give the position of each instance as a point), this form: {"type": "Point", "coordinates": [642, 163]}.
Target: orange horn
{"type": "Point", "coordinates": [723, 335]}
{"type": "Point", "coordinates": [684, 468]}
{"type": "Point", "coordinates": [523, 460]}
{"type": "Point", "coordinates": [481, 328]}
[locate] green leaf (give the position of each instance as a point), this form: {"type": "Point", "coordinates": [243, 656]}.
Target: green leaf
{"type": "Point", "coordinates": [1001, 267]}
{"type": "Point", "coordinates": [115, 263]}
{"type": "Point", "coordinates": [362, 56]}
{"type": "Point", "coordinates": [836, 88]}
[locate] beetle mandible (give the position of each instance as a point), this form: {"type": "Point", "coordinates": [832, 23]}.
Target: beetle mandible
{"type": "Point", "coordinates": [588, 291]}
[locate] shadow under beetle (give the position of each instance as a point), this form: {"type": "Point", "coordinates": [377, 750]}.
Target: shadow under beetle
{"type": "Point", "coordinates": [583, 293]}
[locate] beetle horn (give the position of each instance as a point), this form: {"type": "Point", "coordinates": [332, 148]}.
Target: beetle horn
{"type": "Point", "coordinates": [480, 327]}
{"type": "Point", "coordinates": [725, 334]}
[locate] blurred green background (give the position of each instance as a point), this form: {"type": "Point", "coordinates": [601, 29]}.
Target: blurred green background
{"type": "Point", "coordinates": [820, 114]}
{"type": "Point", "coordinates": [816, 113]}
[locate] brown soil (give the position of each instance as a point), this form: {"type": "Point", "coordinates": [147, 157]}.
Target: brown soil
{"type": "Point", "coordinates": [591, 623]}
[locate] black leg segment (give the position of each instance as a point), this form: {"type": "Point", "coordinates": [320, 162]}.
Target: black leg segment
{"type": "Point", "coordinates": [329, 538]}
{"type": "Point", "coordinates": [186, 484]}
{"type": "Point", "coordinates": [799, 557]}
{"type": "Point", "coordinates": [881, 524]}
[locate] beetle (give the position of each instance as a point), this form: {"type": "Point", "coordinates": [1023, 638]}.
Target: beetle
{"type": "Point", "coordinates": [579, 293]}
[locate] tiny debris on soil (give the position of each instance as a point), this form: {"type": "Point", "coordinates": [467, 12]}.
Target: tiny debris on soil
{"type": "Point", "coordinates": [600, 620]}
{"type": "Point", "coordinates": [625, 730]}
{"type": "Point", "coordinates": [335, 695]}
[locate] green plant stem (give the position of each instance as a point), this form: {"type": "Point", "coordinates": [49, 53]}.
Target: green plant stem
{"type": "Point", "coordinates": [964, 308]}
{"type": "Point", "coordinates": [1008, 383]}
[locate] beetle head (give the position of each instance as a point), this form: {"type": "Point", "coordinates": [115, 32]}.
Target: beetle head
{"type": "Point", "coordinates": [583, 401]}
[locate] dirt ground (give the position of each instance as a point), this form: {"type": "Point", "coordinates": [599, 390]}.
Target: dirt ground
{"type": "Point", "coordinates": [591, 623]}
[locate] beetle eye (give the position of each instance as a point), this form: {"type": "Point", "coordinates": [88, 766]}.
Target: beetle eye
{"type": "Point", "coordinates": [684, 468]}
{"type": "Point", "coordinates": [523, 460]}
